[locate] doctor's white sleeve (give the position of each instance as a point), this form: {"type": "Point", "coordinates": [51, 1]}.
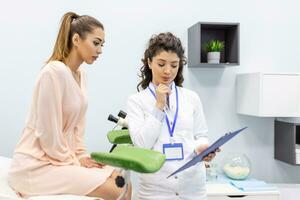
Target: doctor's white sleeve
{"type": "Point", "coordinates": [144, 128]}
{"type": "Point", "coordinates": [200, 126]}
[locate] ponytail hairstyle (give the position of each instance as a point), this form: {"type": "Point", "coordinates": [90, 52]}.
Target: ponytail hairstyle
{"type": "Point", "coordinates": [158, 43]}
{"type": "Point", "coordinates": [72, 23]}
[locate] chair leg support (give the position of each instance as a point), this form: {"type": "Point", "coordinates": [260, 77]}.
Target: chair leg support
{"type": "Point", "coordinates": [120, 181]}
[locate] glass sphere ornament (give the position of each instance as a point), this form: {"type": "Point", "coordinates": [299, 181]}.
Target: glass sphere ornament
{"type": "Point", "coordinates": [237, 166]}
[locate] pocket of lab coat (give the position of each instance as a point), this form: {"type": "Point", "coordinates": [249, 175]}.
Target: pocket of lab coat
{"type": "Point", "coordinates": [194, 176]}
{"type": "Point", "coordinates": [186, 137]}
{"type": "Point", "coordinates": [150, 180]}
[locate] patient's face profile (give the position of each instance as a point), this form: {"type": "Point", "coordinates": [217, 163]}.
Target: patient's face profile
{"type": "Point", "coordinates": [90, 47]}
{"type": "Point", "coordinates": [164, 67]}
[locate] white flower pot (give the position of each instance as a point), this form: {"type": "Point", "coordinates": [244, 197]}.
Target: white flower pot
{"type": "Point", "coordinates": [213, 57]}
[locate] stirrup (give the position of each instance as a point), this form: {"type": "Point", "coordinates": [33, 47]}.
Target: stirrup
{"type": "Point", "coordinates": [131, 158]}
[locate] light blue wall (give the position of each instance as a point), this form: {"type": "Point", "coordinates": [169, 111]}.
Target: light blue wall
{"type": "Point", "coordinates": [269, 41]}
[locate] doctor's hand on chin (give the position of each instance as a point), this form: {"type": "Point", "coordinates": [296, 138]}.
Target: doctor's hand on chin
{"type": "Point", "coordinates": [162, 91]}
{"type": "Point", "coordinates": [210, 156]}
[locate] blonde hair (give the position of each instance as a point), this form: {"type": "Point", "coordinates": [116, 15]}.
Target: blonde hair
{"type": "Point", "coordinates": [72, 23]}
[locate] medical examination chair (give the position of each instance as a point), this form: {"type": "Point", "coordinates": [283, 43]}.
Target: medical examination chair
{"type": "Point", "coordinates": [122, 155]}
{"type": "Point", "coordinates": [125, 156]}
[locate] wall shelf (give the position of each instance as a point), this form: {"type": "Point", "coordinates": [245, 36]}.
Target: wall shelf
{"type": "Point", "coordinates": [202, 32]}
{"type": "Point", "coordinates": [287, 142]}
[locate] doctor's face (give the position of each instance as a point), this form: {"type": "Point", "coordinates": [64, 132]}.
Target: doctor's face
{"type": "Point", "coordinates": [164, 67]}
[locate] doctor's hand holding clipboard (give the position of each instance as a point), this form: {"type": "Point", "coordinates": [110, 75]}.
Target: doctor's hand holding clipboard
{"type": "Point", "coordinates": [210, 156]}
{"type": "Point", "coordinates": [204, 152]}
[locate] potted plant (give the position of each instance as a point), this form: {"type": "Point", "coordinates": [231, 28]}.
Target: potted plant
{"type": "Point", "coordinates": [213, 49]}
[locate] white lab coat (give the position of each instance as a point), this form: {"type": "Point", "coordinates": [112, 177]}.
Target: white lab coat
{"type": "Point", "coordinates": [148, 129]}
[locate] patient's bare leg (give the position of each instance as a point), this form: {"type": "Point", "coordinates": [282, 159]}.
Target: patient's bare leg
{"type": "Point", "coordinates": [109, 190]}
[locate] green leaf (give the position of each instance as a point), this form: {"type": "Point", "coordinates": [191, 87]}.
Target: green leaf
{"type": "Point", "coordinates": [213, 45]}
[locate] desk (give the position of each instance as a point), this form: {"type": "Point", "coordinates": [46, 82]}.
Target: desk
{"type": "Point", "coordinates": [226, 191]}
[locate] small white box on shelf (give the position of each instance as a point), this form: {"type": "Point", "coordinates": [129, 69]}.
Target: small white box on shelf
{"type": "Point", "coordinates": [268, 94]}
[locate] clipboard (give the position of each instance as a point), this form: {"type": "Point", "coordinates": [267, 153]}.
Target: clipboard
{"type": "Point", "coordinates": [222, 140]}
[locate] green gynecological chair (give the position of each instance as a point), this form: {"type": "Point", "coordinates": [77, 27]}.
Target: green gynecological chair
{"type": "Point", "coordinates": [125, 156]}
{"type": "Point", "coordinates": [128, 157]}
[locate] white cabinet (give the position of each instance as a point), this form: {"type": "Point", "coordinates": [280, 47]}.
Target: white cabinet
{"type": "Point", "coordinates": [225, 191]}
{"type": "Point", "coordinates": [268, 94]}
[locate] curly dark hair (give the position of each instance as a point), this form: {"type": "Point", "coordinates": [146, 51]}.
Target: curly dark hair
{"type": "Point", "coordinates": [158, 43]}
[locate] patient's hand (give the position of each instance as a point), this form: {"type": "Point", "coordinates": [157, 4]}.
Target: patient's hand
{"type": "Point", "coordinates": [210, 156]}
{"type": "Point", "coordinates": [90, 163]}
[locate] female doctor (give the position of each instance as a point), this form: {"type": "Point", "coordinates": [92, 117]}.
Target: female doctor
{"type": "Point", "coordinates": [168, 118]}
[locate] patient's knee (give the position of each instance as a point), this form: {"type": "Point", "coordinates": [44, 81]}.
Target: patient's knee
{"type": "Point", "coordinates": [110, 190]}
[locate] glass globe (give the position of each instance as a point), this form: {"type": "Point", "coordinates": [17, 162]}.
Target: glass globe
{"type": "Point", "coordinates": [237, 166]}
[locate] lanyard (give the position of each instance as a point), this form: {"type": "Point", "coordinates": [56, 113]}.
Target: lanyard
{"type": "Point", "coordinates": [171, 129]}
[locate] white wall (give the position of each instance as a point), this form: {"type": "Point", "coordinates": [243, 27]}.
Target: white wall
{"type": "Point", "coordinates": [269, 41]}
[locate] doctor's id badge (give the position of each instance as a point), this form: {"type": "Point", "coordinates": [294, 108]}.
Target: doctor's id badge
{"type": "Point", "coordinates": [173, 151]}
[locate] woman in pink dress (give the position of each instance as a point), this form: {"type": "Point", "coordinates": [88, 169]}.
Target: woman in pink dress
{"type": "Point", "coordinates": [51, 157]}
